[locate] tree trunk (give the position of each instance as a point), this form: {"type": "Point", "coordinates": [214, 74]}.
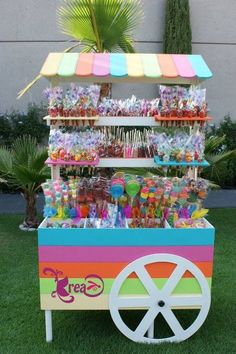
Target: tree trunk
{"type": "Point", "coordinates": [31, 219]}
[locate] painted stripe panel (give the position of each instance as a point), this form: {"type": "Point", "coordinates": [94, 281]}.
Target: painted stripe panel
{"type": "Point", "coordinates": [183, 65]}
{"type": "Point", "coordinates": [118, 66]}
{"type": "Point", "coordinates": [167, 66]}
{"type": "Point", "coordinates": [199, 66]}
{"type": "Point", "coordinates": [68, 64]}
{"type": "Point", "coordinates": [150, 65]}
{"type": "Point", "coordinates": [51, 64]}
{"type": "Point", "coordinates": [134, 64]}
{"type": "Point", "coordinates": [120, 254]}
{"type": "Point", "coordinates": [85, 64]}
{"type": "Point", "coordinates": [101, 64]}
{"type": "Point", "coordinates": [128, 237]}
{"type": "Point", "coordinates": [101, 302]}
{"type": "Point", "coordinates": [111, 270]}
{"type": "Point", "coordinates": [81, 303]}
{"type": "Point", "coordinates": [130, 286]}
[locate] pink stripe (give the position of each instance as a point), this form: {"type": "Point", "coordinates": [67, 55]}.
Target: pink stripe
{"type": "Point", "coordinates": [183, 65]}
{"type": "Point", "coordinates": [101, 64]}
{"type": "Point", "coordinates": [119, 254]}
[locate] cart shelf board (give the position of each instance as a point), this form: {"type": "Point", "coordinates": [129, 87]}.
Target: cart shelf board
{"type": "Point", "coordinates": [121, 68]}
{"type": "Point", "coordinates": [108, 162]}
{"type": "Point", "coordinates": [59, 162]}
{"type": "Point", "coordinates": [203, 163]}
{"type": "Point", "coordinates": [133, 162]}
{"type": "Point", "coordinates": [108, 121]}
{"type": "Point", "coordinates": [124, 121]}
{"type": "Point", "coordinates": [183, 119]}
{"type": "Point", "coordinates": [59, 118]}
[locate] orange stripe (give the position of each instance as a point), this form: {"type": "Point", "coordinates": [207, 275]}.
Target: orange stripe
{"type": "Point", "coordinates": [167, 65]}
{"type": "Point", "coordinates": [85, 64]}
{"type": "Point", "coordinates": [111, 270]}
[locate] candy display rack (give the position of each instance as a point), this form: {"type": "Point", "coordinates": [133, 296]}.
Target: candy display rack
{"type": "Point", "coordinates": [159, 270]}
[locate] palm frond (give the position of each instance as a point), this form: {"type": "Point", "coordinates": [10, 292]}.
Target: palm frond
{"type": "Point", "coordinates": [23, 166]}
{"type": "Point", "coordinates": [29, 86]}
{"type": "Point", "coordinates": [5, 161]}
{"type": "Point", "coordinates": [103, 24]}
{"type": "Point", "coordinates": [28, 177]}
{"type": "Point", "coordinates": [3, 180]}
{"type": "Point", "coordinates": [213, 143]}
{"type": "Point", "coordinates": [215, 159]}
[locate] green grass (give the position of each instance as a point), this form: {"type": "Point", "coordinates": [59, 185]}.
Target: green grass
{"type": "Point", "coordinates": [22, 322]}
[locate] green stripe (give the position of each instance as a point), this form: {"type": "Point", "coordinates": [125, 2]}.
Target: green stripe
{"type": "Point", "coordinates": [68, 64]}
{"type": "Point", "coordinates": [131, 286]}
{"type": "Point", "coordinates": [151, 65]}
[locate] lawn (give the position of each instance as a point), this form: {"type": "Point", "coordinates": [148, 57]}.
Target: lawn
{"type": "Point", "coordinates": [22, 322]}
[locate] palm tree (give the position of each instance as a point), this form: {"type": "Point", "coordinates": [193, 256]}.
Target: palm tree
{"type": "Point", "coordinates": [98, 26]}
{"type": "Point", "coordinates": [23, 167]}
{"type": "Point", "coordinates": [218, 157]}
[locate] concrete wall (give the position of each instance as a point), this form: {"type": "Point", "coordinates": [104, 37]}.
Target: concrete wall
{"type": "Point", "coordinates": [28, 31]}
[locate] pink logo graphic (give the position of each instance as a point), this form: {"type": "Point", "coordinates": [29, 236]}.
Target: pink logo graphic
{"type": "Point", "coordinates": [92, 286]}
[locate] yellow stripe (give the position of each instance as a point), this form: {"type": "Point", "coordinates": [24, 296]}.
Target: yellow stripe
{"type": "Point", "coordinates": [81, 302]}
{"type": "Point", "coordinates": [51, 64]}
{"type": "Point", "coordinates": [134, 65]}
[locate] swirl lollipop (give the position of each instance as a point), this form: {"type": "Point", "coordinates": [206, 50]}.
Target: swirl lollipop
{"type": "Point", "coordinates": [117, 188]}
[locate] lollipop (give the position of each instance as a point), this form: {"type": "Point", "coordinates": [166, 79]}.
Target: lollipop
{"type": "Point", "coordinates": [117, 188]}
{"type": "Point", "coordinates": [132, 188]}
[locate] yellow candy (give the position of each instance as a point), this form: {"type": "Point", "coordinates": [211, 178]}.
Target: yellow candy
{"type": "Point", "coordinates": [198, 214]}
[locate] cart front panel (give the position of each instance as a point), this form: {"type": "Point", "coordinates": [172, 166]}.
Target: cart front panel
{"type": "Point", "coordinates": [77, 267]}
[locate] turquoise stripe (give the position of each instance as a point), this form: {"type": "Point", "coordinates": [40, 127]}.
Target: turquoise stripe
{"type": "Point", "coordinates": [126, 237]}
{"type": "Point", "coordinates": [118, 65]}
{"type": "Point", "coordinates": [199, 66]}
{"type": "Point", "coordinates": [204, 163]}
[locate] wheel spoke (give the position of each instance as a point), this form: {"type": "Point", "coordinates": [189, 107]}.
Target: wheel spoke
{"type": "Point", "coordinates": [172, 321]}
{"type": "Point", "coordinates": [173, 280]}
{"type": "Point", "coordinates": [146, 322]}
{"type": "Point", "coordinates": [132, 302]}
{"type": "Point", "coordinates": [147, 281]}
{"type": "Point", "coordinates": [185, 301]}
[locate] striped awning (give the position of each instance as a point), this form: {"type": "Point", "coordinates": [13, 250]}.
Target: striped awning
{"type": "Point", "coordinates": [119, 67]}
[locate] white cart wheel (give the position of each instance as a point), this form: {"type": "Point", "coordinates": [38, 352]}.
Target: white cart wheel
{"type": "Point", "coordinates": [159, 300]}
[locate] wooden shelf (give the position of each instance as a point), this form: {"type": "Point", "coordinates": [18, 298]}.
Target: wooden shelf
{"type": "Point", "coordinates": [106, 121]}
{"type": "Point", "coordinates": [127, 162]}
{"type": "Point", "coordinates": [59, 162]}
{"type": "Point", "coordinates": [136, 121]}
{"type": "Point", "coordinates": [117, 121]}
{"type": "Point", "coordinates": [182, 119]}
{"type": "Point", "coordinates": [107, 162]}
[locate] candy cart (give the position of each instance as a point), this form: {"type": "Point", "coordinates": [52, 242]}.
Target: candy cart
{"type": "Point", "coordinates": [157, 270]}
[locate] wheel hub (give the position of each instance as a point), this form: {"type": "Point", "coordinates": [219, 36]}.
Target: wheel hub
{"type": "Point", "coordinates": [161, 303]}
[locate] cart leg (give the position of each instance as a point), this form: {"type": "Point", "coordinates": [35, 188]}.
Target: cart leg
{"type": "Point", "coordinates": [150, 332]}
{"type": "Point", "coordinates": [48, 324]}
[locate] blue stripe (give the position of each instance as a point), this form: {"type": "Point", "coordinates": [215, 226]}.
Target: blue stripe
{"type": "Point", "coordinates": [118, 65]}
{"type": "Point", "coordinates": [126, 237]}
{"type": "Point", "coordinates": [199, 66]}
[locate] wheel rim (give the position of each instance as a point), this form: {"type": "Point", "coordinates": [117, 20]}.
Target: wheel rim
{"type": "Point", "coordinates": [159, 300]}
